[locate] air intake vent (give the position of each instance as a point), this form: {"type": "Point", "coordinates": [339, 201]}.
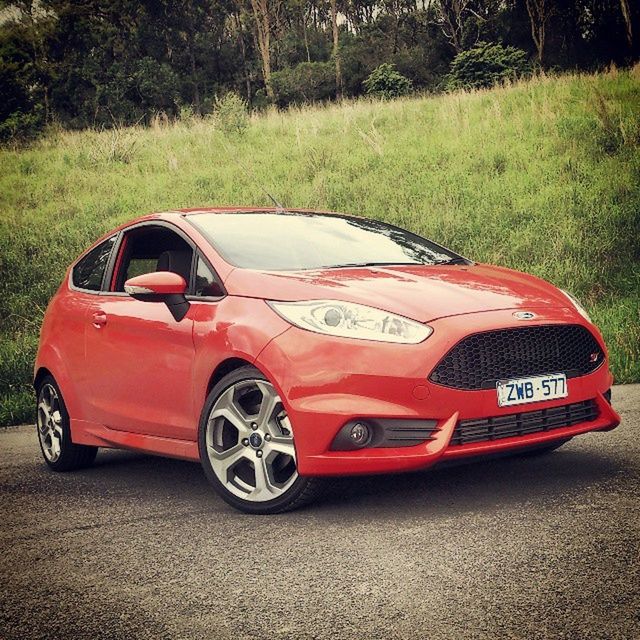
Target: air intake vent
{"type": "Point", "coordinates": [520, 424]}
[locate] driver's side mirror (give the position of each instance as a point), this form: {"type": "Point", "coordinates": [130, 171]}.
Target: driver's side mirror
{"type": "Point", "coordinates": [161, 286]}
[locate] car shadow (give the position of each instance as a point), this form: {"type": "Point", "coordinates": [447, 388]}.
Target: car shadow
{"type": "Point", "coordinates": [480, 485]}
{"type": "Point", "coordinates": [477, 485]}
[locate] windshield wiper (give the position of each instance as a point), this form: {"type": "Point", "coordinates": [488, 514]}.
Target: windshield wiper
{"type": "Point", "coordinates": [456, 260]}
{"type": "Point", "coordinates": [370, 264]}
{"type": "Point", "coordinates": [346, 265]}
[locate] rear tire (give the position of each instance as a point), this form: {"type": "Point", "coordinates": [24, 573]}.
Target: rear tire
{"type": "Point", "coordinates": [54, 433]}
{"type": "Point", "coordinates": [247, 447]}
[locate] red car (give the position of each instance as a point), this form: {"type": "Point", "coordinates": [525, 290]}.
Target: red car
{"type": "Point", "coordinates": [277, 347]}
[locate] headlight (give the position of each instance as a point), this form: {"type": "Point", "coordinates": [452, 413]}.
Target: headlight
{"type": "Point", "coordinates": [350, 320]}
{"type": "Point", "coordinates": [581, 310]}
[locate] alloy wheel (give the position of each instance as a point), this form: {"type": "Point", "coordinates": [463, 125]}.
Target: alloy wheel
{"type": "Point", "coordinates": [249, 441]}
{"type": "Point", "coordinates": [49, 421]}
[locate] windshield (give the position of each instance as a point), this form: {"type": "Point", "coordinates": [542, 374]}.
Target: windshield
{"type": "Point", "coordinates": [292, 241]}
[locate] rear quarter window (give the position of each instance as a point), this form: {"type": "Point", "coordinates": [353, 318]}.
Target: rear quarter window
{"type": "Point", "coordinates": [89, 272]}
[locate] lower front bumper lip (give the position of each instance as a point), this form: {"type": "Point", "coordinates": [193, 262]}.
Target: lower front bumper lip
{"type": "Point", "coordinates": [423, 456]}
{"type": "Point", "coordinates": [389, 460]}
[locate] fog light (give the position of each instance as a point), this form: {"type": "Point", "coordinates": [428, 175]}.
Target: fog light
{"type": "Point", "coordinates": [360, 434]}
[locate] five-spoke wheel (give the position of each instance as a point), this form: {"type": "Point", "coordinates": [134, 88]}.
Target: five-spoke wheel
{"type": "Point", "coordinates": [54, 433]}
{"type": "Point", "coordinates": [247, 446]}
{"type": "Point", "coordinates": [49, 423]}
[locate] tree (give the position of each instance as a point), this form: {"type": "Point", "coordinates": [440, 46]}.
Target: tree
{"type": "Point", "coordinates": [626, 14]}
{"type": "Point", "coordinates": [539, 13]}
{"type": "Point", "coordinates": [451, 16]}
{"type": "Point", "coordinates": [96, 63]}
{"type": "Point", "coordinates": [336, 48]}
{"type": "Point", "coordinates": [264, 14]}
{"type": "Point", "coordinates": [35, 23]}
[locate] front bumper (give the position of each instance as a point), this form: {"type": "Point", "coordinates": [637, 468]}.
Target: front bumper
{"type": "Point", "coordinates": [325, 382]}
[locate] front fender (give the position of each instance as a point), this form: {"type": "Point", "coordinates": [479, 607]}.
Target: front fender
{"type": "Point", "coordinates": [234, 327]}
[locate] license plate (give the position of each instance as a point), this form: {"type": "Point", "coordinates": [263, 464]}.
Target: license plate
{"type": "Point", "coordinates": [535, 389]}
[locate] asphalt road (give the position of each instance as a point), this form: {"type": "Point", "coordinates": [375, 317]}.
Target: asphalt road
{"type": "Point", "coordinates": [139, 547]}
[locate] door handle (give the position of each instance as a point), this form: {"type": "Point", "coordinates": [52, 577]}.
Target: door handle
{"type": "Point", "coordinates": [99, 319]}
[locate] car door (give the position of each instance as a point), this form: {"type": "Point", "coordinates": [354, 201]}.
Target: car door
{"type": "Point", "coordinates": [138, 358]}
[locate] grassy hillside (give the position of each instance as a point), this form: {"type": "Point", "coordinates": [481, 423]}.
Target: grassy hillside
{"type": "Point", "coordinates": [542, 176]}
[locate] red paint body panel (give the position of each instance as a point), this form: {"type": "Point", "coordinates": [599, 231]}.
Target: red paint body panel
{"type": "Point", "coordinates": [160, 282]}
{"type": "Point", "coordinates": [134, 377]}
{"type": "Point", "coordinates": [421, 293]}
{"type": "Point", "coordinates": [329, 381]}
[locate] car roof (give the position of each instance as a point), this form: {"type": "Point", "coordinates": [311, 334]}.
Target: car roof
{"type": "Point", "coordinates": [188, 212]}
{"type": "Point", "coordinates": [249, 209]}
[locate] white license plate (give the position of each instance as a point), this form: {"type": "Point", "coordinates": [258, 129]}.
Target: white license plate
{"type": "Point", "coordinates": [535, 389]}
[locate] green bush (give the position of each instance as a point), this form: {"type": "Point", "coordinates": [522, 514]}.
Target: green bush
{"type": "Point", "coordinates": [17, 353]}
{"type": "Point", "coordinates": [386, 82]}
{"type": "Point", "coordinates": [231, 113]}
{"type": "Point", "coordinates": [19, 125]}
{"type": "Point", "coordinates": [157, 85]}
{"type": "Point", "coordinates": [306, 82]}
{"type": "Point", "coordinates": [485, 65]}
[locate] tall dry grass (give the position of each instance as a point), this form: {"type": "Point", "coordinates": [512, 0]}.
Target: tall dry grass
{"type": "Point", "coordinates": [540, 175]}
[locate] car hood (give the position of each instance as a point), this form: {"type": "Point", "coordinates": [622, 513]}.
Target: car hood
{"type": "Point", "coordinates": [420, 292]}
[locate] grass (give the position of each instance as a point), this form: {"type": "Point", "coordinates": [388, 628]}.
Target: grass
{"type": "Point", "coordinates": [541, 176]}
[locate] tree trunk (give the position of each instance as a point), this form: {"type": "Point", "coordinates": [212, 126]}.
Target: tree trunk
{"type": "Point", "coordinates": [262, 18]}
{"type": "Point", "coordinates": [451, 18]}
{"type": "Point", "coordinates": [194, 79]}
{"type": "Point", "coordinates": [538, 16]}
{"type": "Point", "coordinates": [243, 50]}
{"type": "Point", "coordinates": [336, 49]}
{"type": "Point", "coordinates": [304, 33]}
{"type": "Point", "coordinates": [626, 14]}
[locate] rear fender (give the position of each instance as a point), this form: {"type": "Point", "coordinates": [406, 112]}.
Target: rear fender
{"type": "Point", "coordinates": [49, 358]}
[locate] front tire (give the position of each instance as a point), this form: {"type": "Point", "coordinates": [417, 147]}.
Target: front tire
{"type": "Point", "coordinates": [54, 433]}
{"type": "Point", "coordinates": [247, 446]}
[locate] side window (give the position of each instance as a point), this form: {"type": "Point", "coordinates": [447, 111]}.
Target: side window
{"type": "Point", "coordinates": [206, 283]}
{"type": "Point", "coordinates": [140, 266]}
{"type": "Point", "coordinates": [147, 249]}
{"type": "Point", "coordinates": [88, 273]}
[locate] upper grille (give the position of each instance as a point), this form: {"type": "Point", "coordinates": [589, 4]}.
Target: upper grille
{"type": "Point", "coordinates": [480, 360]}
{"type": "Point", "coordinates": [520, 424]}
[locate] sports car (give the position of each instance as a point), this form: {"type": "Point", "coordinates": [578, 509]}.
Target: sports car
{"type": "Point", "coordinates": [281, 347]}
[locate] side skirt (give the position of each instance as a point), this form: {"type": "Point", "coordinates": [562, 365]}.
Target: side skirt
{"type": "Point", "coordinates": [97, 435]}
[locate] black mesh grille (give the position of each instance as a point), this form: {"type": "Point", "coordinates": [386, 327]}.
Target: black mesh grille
{"type": "Point", "coordinates": [480, 360]}
{"type": "Point", "coordinates": [519, 424]}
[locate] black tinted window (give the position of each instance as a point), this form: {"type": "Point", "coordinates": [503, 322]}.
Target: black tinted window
{"type": "Point", "coordinates": [88, 273]}
{"type": "Point", "coordinates": [148, 249]}
{"type": "Point", "coordinates": [206, 284]}
{"type": "Point", "coordinates": [290, 241]}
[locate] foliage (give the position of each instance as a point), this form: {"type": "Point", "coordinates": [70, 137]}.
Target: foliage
{"type": "Point", "coordinates": [386, 82]}
{"type": "Point", "coordinates": [21, 126]}
{"type": "Point", "coordinates": [90, 63]}
{"type": "Point", "coordinates": [231, 113]}
{"type": "Point", "coordinates": [486, 65]}
{"type": "Point", "coordinates": [518, 176]}
{"type": "Point", "coordinates": [304, 83]}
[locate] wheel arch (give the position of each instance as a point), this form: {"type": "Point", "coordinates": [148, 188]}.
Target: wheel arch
{"type": "Point", "coordinates": [225, 368]}
{"type": "Point", "coordinates": [40, 374]}
{"type": "Point", "coordinates": [50, 363]}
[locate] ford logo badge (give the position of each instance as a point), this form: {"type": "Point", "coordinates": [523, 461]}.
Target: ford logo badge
{"type": "Point", "coordinates": [524, 315]}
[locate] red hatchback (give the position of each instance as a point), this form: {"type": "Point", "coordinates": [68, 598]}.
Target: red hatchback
{"type": "Point", "coordinates": [277, 347]}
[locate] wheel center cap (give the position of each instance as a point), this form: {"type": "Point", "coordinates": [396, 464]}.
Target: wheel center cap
{"type": "Point", "coordinates": [255, 440]}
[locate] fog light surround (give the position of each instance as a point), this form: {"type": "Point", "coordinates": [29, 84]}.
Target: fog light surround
{"type": "Point", "coordinates": [373, 432]}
